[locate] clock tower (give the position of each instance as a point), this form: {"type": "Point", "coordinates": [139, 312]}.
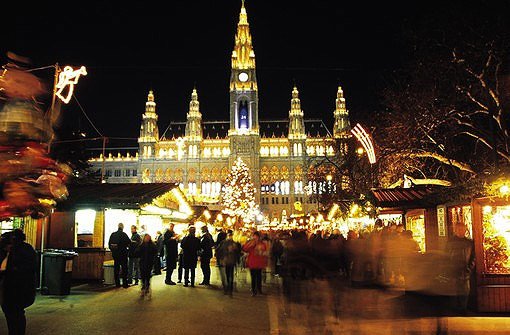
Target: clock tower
{"type": "Point", "coordinates": [244, 122]}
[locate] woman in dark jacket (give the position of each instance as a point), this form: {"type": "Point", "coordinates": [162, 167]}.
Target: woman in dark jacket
{"type": "Point", "coordinates": [17, 279]}
{"type": "Point", "coordinates": [147, 252]}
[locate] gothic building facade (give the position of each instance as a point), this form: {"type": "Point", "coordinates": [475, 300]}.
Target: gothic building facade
{"type": "Point", "coordinates": [198, 154]}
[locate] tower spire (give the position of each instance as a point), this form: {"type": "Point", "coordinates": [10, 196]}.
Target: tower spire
{"type": "Point", "coordinates": [149, 133]}
{"type": "Point", "coordinates": [243, 56]}
{"type": "Point", "coordinates": [342, 126]}
{"type": "Point", "coordinates": [194, 123]}
{"type": "Point", "coordinates": [296, 120]}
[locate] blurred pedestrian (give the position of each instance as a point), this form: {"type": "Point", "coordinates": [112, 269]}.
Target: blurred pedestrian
{"type": "Point", "coordinates": [170, 248]}
{"type": "Point", "coordinates": [206, 246]}
{"type": "Point", "coordinates": [222, 235]}
{"type": "Point", "coordinates": [118, 244]}
{"type": "Point", "coordinates": [147, 252]}
{"type": "Point", "coordinates": [461, 257]}
{"type": "Point", "coordinates": [158, 240]}
{"type": "Point", "coordinates": [134, 257]}
{"type": "Point", "coordinates": [256, 261]}
{"type": "Point", "coordinates": [190, 245]}
{"type": "Point", "coordinates": [228, 253]}
{"type": "Point", "coordinates": [17, 279]}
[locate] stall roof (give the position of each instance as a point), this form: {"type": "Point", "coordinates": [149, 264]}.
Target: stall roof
{"type": "Point", "coordinates": [113, 195]}
{"type": "Point", "coordinates": [399, 197]}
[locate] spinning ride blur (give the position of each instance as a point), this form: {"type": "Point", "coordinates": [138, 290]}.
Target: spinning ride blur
{"type": "Point", "coordinates": [31, 180]}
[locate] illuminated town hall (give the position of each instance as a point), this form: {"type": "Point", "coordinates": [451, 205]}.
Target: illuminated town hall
{"type": "Point", "coordinates": [198, 154]}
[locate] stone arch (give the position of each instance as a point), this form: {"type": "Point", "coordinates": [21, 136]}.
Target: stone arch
{"type": "Point", "coordinates": [158, 176]}
{"type": "Point", "coordinates": [168, 175]}
{"type": "Point", "coordinates": [206, 175]}
{"type": "Point", "coordinates": [274, 174]}
{"type": "Point", "coordinates": [264, 175]}
{"type": "Point", "coordinates": [192, 175]}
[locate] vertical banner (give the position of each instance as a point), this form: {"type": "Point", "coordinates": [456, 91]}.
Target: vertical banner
{"type": "Point", "coordinates": [441, 220]}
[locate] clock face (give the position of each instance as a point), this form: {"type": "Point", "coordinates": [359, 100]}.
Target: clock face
{"type": "Point", "coordinates": [243, 76]}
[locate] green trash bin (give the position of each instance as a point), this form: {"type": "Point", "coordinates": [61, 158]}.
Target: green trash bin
{"type": "Point", "coordinates": [57, 272]}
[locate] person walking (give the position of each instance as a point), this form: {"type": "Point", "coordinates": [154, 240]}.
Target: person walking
{"type": "Point", "coordinates": [228, 253]}
{"type": "Point", "coordinates": [206, 246]}
{"type": "Point", "coordinates": [147, 252]}
{"type": "Point", "coordinates": [222, 235]}
{"type": "Point", "coordinates": [134, 257]}
{"type": "Point", "coordinates": [17, 279]}
{"type": "Point", "coordinates": [158, 260]}
{"type": "Point", "coordinates": [170, 248]}
{"type": "Point", "coordinates": [256, 261]}
{"type": "Point", "coordinates": [190, 245]}
{"type": "Point", "coordinates": [461, 259]}
{"type": "Point", "coordinates": [118, 244]}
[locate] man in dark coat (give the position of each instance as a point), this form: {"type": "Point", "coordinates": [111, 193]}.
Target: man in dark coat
{"type": "Point", "coordinates": [133, 256]}
{"type": "Point", "coordinates": [170, 246]}
{"type": "Point", "coordinates": [17, 278]}
{"type": "Point", "coordinates": [206, 246]}
{"type": "Point", "coordinates": [190, 245]}
{"type": "Point", "coordinates": [118, 244]}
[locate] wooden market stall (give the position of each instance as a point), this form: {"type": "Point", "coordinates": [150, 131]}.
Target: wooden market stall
{"type": "Point", "coordinates": [491, 233]}
{"type": "Point", "coordinates": [418, 208]}
{"type": "Point", "coordinates": [84, 222]}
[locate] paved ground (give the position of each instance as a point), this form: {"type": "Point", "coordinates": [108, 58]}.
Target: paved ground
{"type": "Point", "coordinates": [327, 306]}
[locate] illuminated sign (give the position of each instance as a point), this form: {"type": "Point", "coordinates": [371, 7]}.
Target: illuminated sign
{"type": "Point", "coordinates": [366, 141]}
{"type": "Point", "coordinates": [68, 78]}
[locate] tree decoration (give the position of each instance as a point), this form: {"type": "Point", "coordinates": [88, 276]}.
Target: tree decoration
{"type": "Point", "coordinates": [238, 195]}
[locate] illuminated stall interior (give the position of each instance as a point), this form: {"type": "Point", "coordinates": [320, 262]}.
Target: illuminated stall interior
{"type": "Point", "coordinates": [415, 207]}
{"type": "Point", "coordinates": [460, 215]}
{"type": "Point", "coordinates": [415, 222]}
{"type": "Point", "coordinates": [98, 209]}
{"type": "Point", "coordinates": [496, 239]}
{"type": "Point", "coordinates": [491, 235]}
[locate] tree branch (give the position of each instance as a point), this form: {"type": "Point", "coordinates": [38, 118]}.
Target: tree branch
{"type": "Point", "coordinates": [440, 158]}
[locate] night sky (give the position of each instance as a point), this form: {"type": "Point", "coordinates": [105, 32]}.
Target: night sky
{"type": "Point", "coordinates": [131, 47]}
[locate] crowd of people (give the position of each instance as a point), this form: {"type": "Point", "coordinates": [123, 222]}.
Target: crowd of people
{"type": "Point", "coordinates": [384, 256]}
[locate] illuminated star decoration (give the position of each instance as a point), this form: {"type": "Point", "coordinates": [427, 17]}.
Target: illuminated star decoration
{"type": "Point", "coordinates": [68, 77]}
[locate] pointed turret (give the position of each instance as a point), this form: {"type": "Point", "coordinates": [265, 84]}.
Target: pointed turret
{"type": "Point", "coordinates": [194, 119]}
{"type": "Point", "coordinates": [243, 56]}
{"type": "Point", "coordinates": [297, 135]}
{"type": "Point", "coordinates": [342, 126]}
{"type": "Point", "coordinates": [243, 82]}
{"type": "Point", "coordinates": [149, 133]}
{"type": "Point", "coordinates": [296, 121]}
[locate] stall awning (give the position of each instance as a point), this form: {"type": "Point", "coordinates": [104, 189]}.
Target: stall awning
{"type": "Point", "coordinates": [398, 197]}
{"type": "Point", "coordinates": [113, 195]}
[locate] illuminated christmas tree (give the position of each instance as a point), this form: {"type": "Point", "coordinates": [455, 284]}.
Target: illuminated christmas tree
{"type": "Point", "coordinates": [238, 195]}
